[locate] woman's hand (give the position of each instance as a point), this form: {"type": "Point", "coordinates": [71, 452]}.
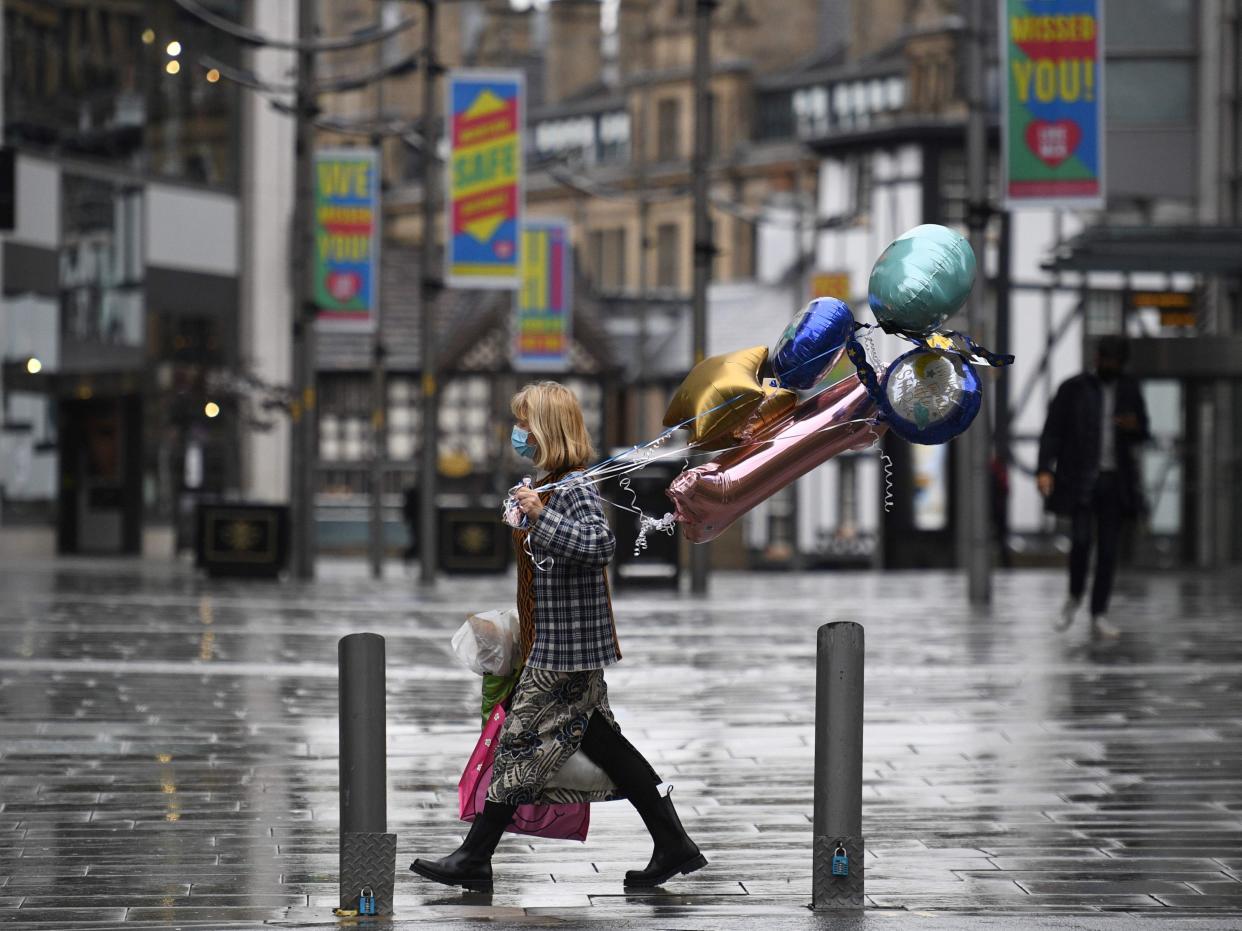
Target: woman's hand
{"type": "Point", "coordinates": [1045, 482]}
{"type": "Point", "coordinates": [529, 503]}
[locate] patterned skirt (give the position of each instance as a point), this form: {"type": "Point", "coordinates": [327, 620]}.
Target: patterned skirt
{"type": "Point", "coordinates": [546, 718]}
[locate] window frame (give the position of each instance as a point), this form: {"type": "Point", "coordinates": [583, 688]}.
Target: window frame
{"type": "Point", "coordinates": [668, 130]}
{"type": "Point", "coordinates": [668, 264]}
{"type": "Point", "coordinates": [1187, 54]}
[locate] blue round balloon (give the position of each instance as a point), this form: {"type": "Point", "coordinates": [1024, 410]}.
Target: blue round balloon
{"type": "Point", "coordinates": [921, 279]}
{"type": "Point", "coordinates": [929, 397]}
{"type": "Point", "coordinates": [813, 343]}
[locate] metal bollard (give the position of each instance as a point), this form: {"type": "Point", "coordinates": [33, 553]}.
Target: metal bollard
{"type": "Point", "coordinates": [838, 768]}
{"type": "Point", "coordinates": [368, 852]}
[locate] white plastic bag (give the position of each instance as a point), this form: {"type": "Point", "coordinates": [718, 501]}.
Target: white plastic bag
{"type": "Point", "coordinates": [580, 773]}
{"type": "Point", "coordinates": [487, 642]}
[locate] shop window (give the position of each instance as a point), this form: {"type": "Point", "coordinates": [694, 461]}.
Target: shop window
{"type": "Point", "coordinates": [1151, 91]}
{"type": "Point", "coordinates": [344, 418]}
{"type": "Point", "coordinates": [668, 130]}
{"type": "Point", "coordinates": [465, 416]}
{"type": "Point", "coordinates": [607, 251]}
{"type": "Point", "coordinates": [863, 176]}
{"type": "Point", "coordinates": [100, 268]}
{"type": "Point", "coordinates": [1151, 73]}
{"type": "Point", "coordinates": [1164, 24]}
{"type": "Point", "coordinates": [95, 79]}
{"type": "Point", "coordinates": [668, 246]}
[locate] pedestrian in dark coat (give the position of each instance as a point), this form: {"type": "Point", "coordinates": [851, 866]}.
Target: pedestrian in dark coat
{"type": "Point", "coordinates": [1089, 472]}
{"type": "Point", "coordinates": [560, 704]}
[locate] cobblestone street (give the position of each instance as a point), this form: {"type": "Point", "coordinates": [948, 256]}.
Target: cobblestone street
{"type": "Point", "coordinates": [168, 751]}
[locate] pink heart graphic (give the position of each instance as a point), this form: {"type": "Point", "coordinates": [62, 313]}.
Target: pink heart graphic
{"type": "Point", "coordinates": [1053, 141]}
{"type": "Point", "coordinates": [344, 286]}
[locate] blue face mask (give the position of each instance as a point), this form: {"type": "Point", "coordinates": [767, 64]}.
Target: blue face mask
{"type": "Point", "coordinates": [519, 438]}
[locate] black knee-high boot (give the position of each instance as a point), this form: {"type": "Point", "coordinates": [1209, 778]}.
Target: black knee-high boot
{"type": "Point", "coordinates": [470, 865]}
{"type": "Point", "coordinates": [673, 851]}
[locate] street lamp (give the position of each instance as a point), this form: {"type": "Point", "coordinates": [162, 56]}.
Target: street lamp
{"type": "Point", "coordinates": [34, 366]}
{"type": "Point", "coordinates": [211, 409]}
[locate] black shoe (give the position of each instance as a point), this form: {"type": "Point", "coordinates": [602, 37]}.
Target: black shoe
{"type": "Point", "coordinates": [674, 851]}
{"type": "Point", "coordinates": [457, 869]}
{"type": "Point", "coordinates": [470, 865]}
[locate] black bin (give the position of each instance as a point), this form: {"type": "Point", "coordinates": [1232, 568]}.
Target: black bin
{"type": "Point", "coordinates": [241, 540]}
{"type": "Point", "coordinates": [473, 540]}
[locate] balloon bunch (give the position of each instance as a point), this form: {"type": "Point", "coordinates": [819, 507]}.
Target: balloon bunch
{"type": "Point", "coordinates": [929, 395]}
{"type": "Point", "coordinates": [932, 393]}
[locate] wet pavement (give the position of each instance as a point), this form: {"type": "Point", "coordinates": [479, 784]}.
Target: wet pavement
{"type": "Point", "coordinates": [168, 752]}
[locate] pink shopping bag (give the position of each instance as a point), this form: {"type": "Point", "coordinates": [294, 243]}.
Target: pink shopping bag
{"type": "Point", "coordinates": [569, 822]}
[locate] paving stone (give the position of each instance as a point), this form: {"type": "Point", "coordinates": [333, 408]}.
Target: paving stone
{"type": "Point", "coordinates": [1107, 865]}
{"type": "Point", "coordinates": [215, 914]}
{"type": "Point", "coordinates": [1086, 875]}
{"type": "Point", "coordinates": [1229, 902]}
{"type": "Point", "coordinates": [60, 917]}
{"type": "Point", "coordinates": [1232, 888]}
{"type": "Point", "coordinates": [1102, 887]}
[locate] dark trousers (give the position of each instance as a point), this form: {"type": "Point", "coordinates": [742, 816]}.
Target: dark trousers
{"type": "Point", "coordinates": [1101, 519]}
{"type": "Point", "coordinates": [626, 767]}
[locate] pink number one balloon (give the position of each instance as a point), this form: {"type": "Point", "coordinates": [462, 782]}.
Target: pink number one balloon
{"type": "Point", "coordinates": [712, 496]}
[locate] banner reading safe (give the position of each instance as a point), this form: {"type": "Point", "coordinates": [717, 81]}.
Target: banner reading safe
{"type": "Point", "coordinates": [347, 232]}
{"type": "Point", "coordinates": [1053, 124]}
{"type": "Point", "coordinates": [544, 303]}
{"type": "Point", "coordinates": [486, 112]}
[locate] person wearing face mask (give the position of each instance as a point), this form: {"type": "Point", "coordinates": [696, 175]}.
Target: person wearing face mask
{"type": "Point", "coordinates": [1088, 471]}
{"type": "Point", "coordinates": [560, 702]}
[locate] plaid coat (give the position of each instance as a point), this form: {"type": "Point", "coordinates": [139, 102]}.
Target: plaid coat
{"type": "Point", "coordinates": [574, 627]}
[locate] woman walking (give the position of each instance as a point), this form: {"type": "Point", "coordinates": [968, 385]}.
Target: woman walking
{"type": "Point", "coordinates": [560, 703]}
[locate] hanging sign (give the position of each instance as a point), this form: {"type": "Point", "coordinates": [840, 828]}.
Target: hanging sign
{"type": "Point", "coordinates": [1053, 119]}
{"type": "Point", "coordinates": [486, 111]}
{"type": "Point", "coordinates": [543, 305]}
{"type": "Point", "coordinates": [347, 238]}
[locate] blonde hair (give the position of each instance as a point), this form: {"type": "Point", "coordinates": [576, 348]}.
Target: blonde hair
{"type": "Point", "coordinates": [555, 419]}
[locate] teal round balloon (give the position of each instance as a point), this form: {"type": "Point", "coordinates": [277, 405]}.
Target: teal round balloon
{"type": "Point", "coordinates": [921, 279]}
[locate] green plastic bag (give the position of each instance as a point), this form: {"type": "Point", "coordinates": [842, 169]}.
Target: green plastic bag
{"type": "Point", "coordinates": [497, 688]}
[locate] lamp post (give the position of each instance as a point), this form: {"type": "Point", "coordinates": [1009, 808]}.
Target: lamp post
{"type": "Point", "coordinates": [704, 249]}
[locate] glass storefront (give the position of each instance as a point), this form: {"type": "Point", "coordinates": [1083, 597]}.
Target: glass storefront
{"type": "Point", "coordinates": [101, 273]}
{"type": "Point", "coordinates": [123, 82]}
{"type": "Point", "coordinates": [101, 99]}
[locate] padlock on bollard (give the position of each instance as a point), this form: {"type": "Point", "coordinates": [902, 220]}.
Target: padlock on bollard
{"type": "Point", "coordinates": [366, 902]}
{"type": "Point", "coordinates": [840, 863]}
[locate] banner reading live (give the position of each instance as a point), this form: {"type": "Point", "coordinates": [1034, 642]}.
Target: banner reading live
{"type": "Point", "coordinates": [1054, 108]}
{"type": "Point", "coordinates": [347, 237]}
{"type": "Point", "coordinates": [486, 110]}
{"type": "Point", "coordinates": [544, 303]}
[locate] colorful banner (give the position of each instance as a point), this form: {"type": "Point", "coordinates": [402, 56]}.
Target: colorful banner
{"type": "Point", "coordinates": [543, 305]}
{"type": "Point", "coordinates": [1053, 116]}
{"type": "Point", "coordinates": [347, 238]}
{"type": "Point", "coordinates": [486, 112]}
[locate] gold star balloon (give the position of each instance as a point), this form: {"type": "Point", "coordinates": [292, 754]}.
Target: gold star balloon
{"type": "Point", "coordinates": [723, 399]}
